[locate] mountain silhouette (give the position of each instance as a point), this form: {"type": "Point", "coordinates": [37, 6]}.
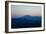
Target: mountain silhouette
{"type": "Point", "coordinates": [27, 15]}
{"type": "Point", "coordinates": [26, 21]}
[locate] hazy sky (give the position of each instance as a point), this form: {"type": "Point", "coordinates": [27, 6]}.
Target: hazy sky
{"type": "Point", "coordinates": [21, 10]}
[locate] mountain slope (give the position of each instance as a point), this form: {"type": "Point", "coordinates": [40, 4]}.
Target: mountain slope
{"type": "Point", "coordinates": [26, 21]}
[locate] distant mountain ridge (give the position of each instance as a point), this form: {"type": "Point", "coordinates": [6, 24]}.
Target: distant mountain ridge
{"type": "Point", "coordinates": [25, 16]}
{"type": "Point", "coordinates": [29, 17]}
{"type": "Point", "coordinates": [26, 21]}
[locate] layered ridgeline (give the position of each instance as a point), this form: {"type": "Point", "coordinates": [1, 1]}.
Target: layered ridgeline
{"type": "Point", "coordinates": [26, 21]}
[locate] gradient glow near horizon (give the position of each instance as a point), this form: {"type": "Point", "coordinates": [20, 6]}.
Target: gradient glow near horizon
{"type": "Point", "coordinates": [21, 10]}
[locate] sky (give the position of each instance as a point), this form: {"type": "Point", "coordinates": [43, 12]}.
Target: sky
{"type": "Point", "coordinates": [21, 10]}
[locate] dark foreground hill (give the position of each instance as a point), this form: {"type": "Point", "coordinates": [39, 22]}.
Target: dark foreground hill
{"type": "Point", "coordinates": [26, 21]}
